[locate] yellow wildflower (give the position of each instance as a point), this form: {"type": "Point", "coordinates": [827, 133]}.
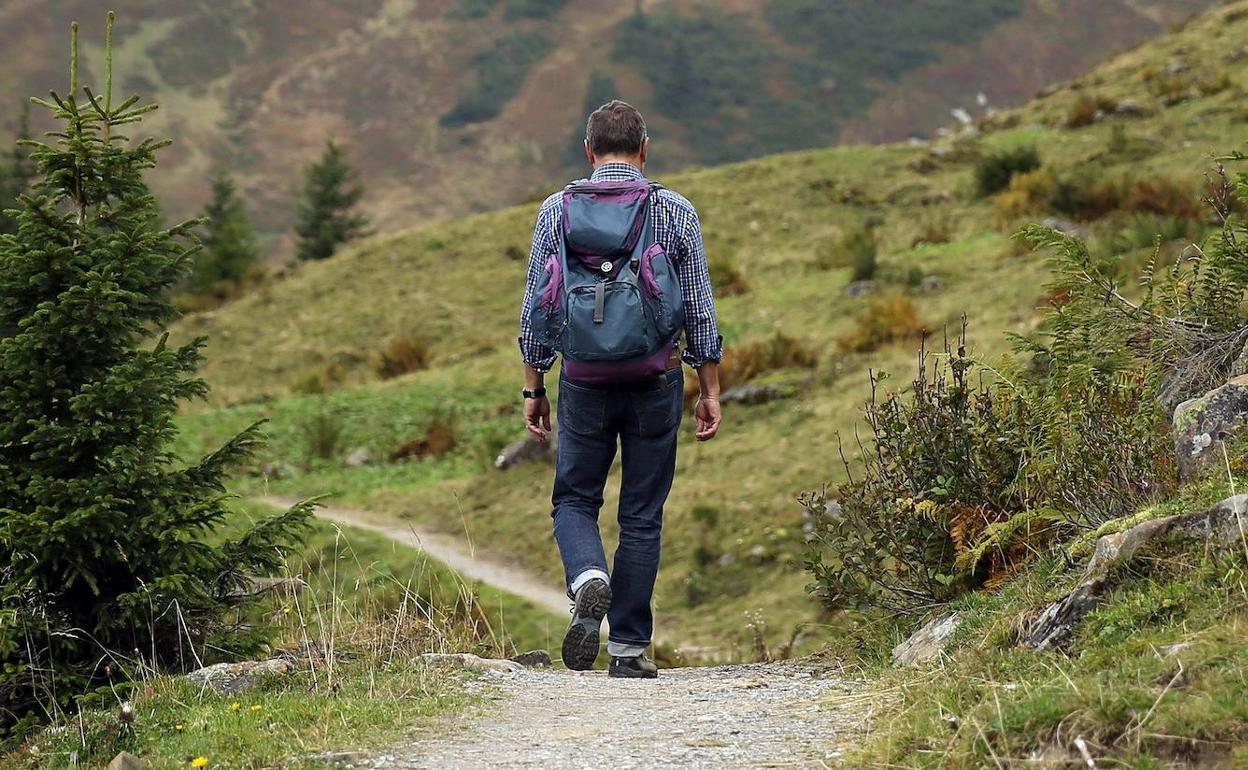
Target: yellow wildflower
{"type": "Point", "coordinates": [235, 706]}
{"type": "Point", "coordinates": [179, 727]}
{"type": "Point", "coordinates": [256, 707]}
{"type": "Point", "coordinates": [199, 762]}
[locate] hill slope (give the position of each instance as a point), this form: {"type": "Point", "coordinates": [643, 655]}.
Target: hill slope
{"type": "Point", "coordinates": [422, 91]}
{"type": "Point", "coordinates": [734, 538]}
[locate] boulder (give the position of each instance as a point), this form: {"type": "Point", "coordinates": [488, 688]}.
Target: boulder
{"type": "Point", "coordinates": [1223, 525]}
{"type": "Point", "coordinates": [1202, 424]}
{"type": "Point", "coordinates": [533, 659]}
{"type": "Point", "coordinates": [358, 458]}
{"type": "Point", "coordinates": [1240, 367]}
{"type": "Point", "coordinates": [1064, 226]}
{"type": "Point", "coordinates": [471, 662]}
{"type": "Point", "coordinates": [859, 288]}
{"type": "Point", "coordinates": [752, 395]}
{"type": "Point", "coordinates": [126, 761]}
{"type": "Point", "coordinates": [1132, 108]}
{"type": "Point", "coordinates": [233, 678]}
{"type": "Point", "coordinates": [928, 642]}
{"type": "Point", "coordinates": [1057, 623]}
{"type": "Point", "coordinates": [526, 450]}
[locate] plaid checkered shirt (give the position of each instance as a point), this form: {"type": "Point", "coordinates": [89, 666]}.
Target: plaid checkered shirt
{"type": "Point", "coordinates": [676, 226]}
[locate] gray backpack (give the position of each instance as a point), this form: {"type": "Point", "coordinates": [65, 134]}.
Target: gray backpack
{"type": "Point", "coordinates": [609, 300]}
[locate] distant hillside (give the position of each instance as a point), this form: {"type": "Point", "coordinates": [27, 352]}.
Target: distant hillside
{"type": "Point", "coordinates": [1121, 149]}
{"type": "Point", "coordinates": [454, 106]}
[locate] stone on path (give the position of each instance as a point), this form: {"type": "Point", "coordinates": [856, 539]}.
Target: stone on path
{"type": "Point", "coordinates": [533, 659]}
{"type": "Point", "coordinates": [525, 450]}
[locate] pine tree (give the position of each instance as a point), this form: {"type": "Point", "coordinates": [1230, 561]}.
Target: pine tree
{"type": "Point", "coordinates": [229, 244]}
{"type": "Point", "coordinates": [105, 535]}
{"type": "Point", "coordinates": [326, 217]}
{"type": "Point", "coordinates": [16, 172]}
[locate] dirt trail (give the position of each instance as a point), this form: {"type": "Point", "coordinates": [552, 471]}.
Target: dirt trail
{"type": "Point", "coordinates": [456, 553]}
{"type": "Point", "coordinates": [746, 716]}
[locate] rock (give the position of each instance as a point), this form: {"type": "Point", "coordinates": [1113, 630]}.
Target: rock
{"type": "Point", "coordinates": [752, 395]}
{"type": "Point", "coordinates": [1058, 621]}
{"type": "Point", "coordinates": [930, 283]}
{"type": "Point", "coordinates": [471, 662]}
{"type": "Point", "coordinates": [1064, 226]}
{"type": "Point", "coordinates": [233, 678]}
{"type": "Point", "coordinates": [526, 450]}
{"type": "Point", "coordinates": [1240, 367]}
{"type": "Point", "coordinates": [1132, 108]}
{"type": "Point", "coordinates": [1220, 525]}
{"type": "Point", "coordinates": [928, 642]}
{"type": "Point", "coordinates": [126, 761]}
{"type": "Point", "coordinates": [922, 165]}
{"type": "Point", "coordinates": [358, 458]}
{"type": "Point", "coordinates": [533, 659]}
{"type": "Point", "coordinates": [859, 288]}
{"type": "Point", "coordinates": [1202, 424]}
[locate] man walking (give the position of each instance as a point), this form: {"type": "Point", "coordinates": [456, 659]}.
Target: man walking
{"type": "Point", "coordinates": [617, 271]}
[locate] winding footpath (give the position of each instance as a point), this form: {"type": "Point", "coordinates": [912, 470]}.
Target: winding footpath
{"type": "Point", "coordinates": [765, 715]}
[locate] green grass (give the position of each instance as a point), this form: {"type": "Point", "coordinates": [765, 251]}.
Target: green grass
{"type": "Point", "coordinates": [285, 722]}
{"type": "Point", "coordinates": [378, 604]}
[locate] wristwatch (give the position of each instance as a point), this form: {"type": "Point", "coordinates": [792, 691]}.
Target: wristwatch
{"type": "Point", "coordinates": [539, 393]}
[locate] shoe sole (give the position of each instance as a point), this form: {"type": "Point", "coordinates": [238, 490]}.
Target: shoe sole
{"type": "Point", "coordinates": [625, 673]}
{"type": "Point", "coordinates": [580, 643]}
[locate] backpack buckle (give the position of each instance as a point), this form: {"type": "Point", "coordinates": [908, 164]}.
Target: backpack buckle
{"type": "Point", "coordinates": [607, 266]}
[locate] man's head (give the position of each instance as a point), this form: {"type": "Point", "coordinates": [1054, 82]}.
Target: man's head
{"type": "Point", "coordinates": [616, 132]}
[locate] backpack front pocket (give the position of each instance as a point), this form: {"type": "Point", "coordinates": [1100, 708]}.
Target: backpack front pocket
{"type": "Point", "coordinates": [607, 321]}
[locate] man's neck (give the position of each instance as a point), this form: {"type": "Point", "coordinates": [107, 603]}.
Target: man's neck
{"type": "Point", "coordinates": [635, 162]}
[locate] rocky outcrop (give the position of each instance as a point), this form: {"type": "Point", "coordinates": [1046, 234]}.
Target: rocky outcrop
{"type": "Point", "coordinates": [126, 761]}
{"type": "Point", "coordinates": [526, 450]}
{"type": "Point", "coordinates": [1221, 525]}
{"type": "Point", "coordinates": [753, 395]}
{"type": "Point", "coordinates": [233, 678]}
{"type": "Point", "coordinates": [533, 659]}
{"type": "Point", "coordinates": [1201, 425]}
{"type": "Point", "coordinates": [928, 642]}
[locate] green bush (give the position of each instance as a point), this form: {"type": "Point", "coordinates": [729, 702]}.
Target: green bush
{"type": "Point", "coordinates": [993, 172]}
{"type": "Point", "coordinates": [110, 563]}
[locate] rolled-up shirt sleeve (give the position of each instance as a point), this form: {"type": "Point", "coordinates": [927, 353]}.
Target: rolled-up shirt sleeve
{"type": "Point", "coordinates": [534, 353]}
{"type": "Point", "coordinates": [703, 341]}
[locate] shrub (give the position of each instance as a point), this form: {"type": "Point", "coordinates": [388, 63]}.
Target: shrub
{"type": "Point", "coordinates": [441, 436]}
{"type": "Point", "coordinates": [934, 228]}
{"type": "Point", "coordinates": [403, 355]}
{"type": "Point", "coordinates": [742, 363]}
{"type": "Point", "coordinates": [886, 319]}
{"type": "Point", "coordinates": [993, 172]}
{"type": "Point", "coordinates": [1028, 193]}
{"type": "Point", "coordinates": [323, 434]}
{"type": "Point", "coordinates": [856, 250]}
{"type": "Point", "coordinates": [939, 471]}
{"type": "Point", "coordinates": [726, 277]}
{"type": "Point", "coordinates": [1087, 109]}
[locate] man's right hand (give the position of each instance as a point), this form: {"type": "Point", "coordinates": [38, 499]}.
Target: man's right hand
{"type": "Point", "coordinates": [537, 417]}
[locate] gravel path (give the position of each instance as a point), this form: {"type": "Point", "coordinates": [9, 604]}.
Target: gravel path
{"type": "Point", "coordinates": [775, 715]}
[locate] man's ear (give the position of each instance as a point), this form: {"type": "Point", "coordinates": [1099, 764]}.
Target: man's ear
{"type": "Point", "coordinates": [645, 150]}
{"type": "Point", "coordinates": [589, 154]}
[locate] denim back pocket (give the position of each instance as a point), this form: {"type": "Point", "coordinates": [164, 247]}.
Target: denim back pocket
{"type": "Point", "coordinates": [581, 410]}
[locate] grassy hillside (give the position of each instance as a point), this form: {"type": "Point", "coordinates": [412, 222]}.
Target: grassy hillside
{"type": "Point", "coordinates": [303, 352]}
{"type": "Point", "coordinates": [421, 91]}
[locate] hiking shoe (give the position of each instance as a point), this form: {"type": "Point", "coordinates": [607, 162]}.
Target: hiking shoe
{"type": "Point", "coordinates": [589, 607]}
{"type": "Point", "coordinates": [639, 667]}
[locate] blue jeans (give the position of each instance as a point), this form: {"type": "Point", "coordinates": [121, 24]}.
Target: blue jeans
{"type": "Point", "coordinates": [644, 418]}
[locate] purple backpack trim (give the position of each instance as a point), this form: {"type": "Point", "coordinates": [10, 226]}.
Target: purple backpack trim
{"type": "Point", "coordinates": [647, 270]}
{"type": "Point", "coordinates": [584, 373]}
{"type": "Point", "coordinates": [550, 297]}
{"type": "Point", "coordinates": [613, 193]}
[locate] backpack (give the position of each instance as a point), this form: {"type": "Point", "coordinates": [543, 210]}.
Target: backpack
{"type": "Point", "coordinates": [609, 299]}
